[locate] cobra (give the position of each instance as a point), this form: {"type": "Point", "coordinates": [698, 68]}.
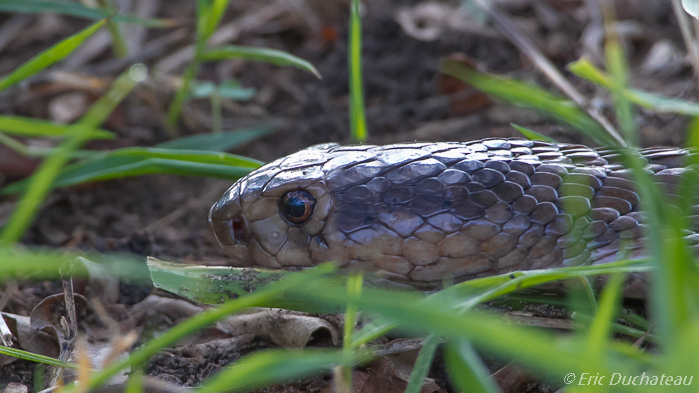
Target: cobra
{"type": "Point", "coordinates": [425, 212]}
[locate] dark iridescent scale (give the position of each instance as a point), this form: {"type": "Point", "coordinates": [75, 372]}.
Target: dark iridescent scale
{"type": "Point", "coordinates": [530, 206]}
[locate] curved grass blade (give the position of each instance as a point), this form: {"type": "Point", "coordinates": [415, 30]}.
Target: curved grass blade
{"type": "Point", "coordinates": [271, 367]}
{"type": "Point", "coordinates": [50, 56]}
{"type": "Point", "coordinates": [422, 364]}
{"type": "Point", "coordinates": [440, 316]}
{"type": "Point", "coordinates": [36, 358]}
{"type": "Point", "coordinates": [466, 369]}
{"type": "Point", "coordinates": [210, 17]}
{"type": "Point", "coordinates": [122, 86]}
{"type": "Point", "coordinates": [358, 126]}
{"type": "Point", "coordinates": [532, 135]}
{"type": "Point", "coordinates": [266, 55]}
{"type": "Point", "coordinates": [221, 141]}
{"type": "Point", "coordinates": [480, 290]}
{"type": "Point", "coordinates": [16, 263]}
{"type": "Point", "coordinates": [599, 333]}
{"type": "Point", "coordinates": [42, 181]}
{"type": "Point", "coordinates": [80, 11]}
{"type": "Point", "coordinates": [30, 127]}
{"type": "Point", "coordinates": [527, 95]}
{"type": "Point", "coordinates": [586, 70]}
{"type": "Point", "coordinates": [196, 323]}
{"type": "Point", "coordinates": [138, 161]}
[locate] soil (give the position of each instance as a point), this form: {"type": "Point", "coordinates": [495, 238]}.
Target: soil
{"type": "Point", "coordinates": [165, 216]}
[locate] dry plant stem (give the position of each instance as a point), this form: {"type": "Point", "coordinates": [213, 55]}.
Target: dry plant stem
{"type": "Point", "coordinates": [69, 323]}
{"type": "Point", "coordinates": [5, 333]}
{"type": "Point", "coordinates": [508, 28]}
{"type": "Point", "coordinates": [690, 40]}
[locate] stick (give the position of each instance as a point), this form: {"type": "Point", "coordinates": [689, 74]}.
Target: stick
{"type": "Point", "coordinates": [5, 333]}
{"type": "Point", "coordinates": [69, 323]}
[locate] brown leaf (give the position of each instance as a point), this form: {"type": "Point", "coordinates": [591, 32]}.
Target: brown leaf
{"type": "Point", "coordinates": [46, 316]}
{"type": "Point", "coordinates": [30, 339]}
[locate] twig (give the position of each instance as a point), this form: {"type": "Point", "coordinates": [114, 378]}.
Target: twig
{"type": "Point", "coordinates": [508, 28]}
{"type": "Point", "coordinates": [687, 35]}
{"type": "Point", "coordinates": [69, 323]}
{"type": "Point", "coordinates": [5, 333]}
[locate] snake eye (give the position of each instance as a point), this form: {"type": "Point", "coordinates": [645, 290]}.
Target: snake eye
{"type": "Point", "coordinates": [297, 206]}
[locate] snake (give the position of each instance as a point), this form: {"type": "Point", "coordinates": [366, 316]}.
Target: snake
{"type": "Point", "coordinates": [423, 213]}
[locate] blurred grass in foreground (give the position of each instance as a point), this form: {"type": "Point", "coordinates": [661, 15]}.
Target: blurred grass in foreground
{"type": "Point", "coordinates": [449, 316]}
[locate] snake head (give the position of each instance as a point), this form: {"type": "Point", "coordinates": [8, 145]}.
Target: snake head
{"type": "Point", "coordinates": [274, 217]}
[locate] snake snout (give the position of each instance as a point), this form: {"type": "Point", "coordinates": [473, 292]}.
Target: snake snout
{"type": "Point", "coordinates": [225, 226]}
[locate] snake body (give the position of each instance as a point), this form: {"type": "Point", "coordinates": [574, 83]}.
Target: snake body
{"type": "Point", "coordinates": [425, 212]}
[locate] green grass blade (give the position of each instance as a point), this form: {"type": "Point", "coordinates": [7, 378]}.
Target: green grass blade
{"type": "Point", "coordinates": [135, 383]}
{"type": "Point", "coordinates": [266, 55]}
{"type": "Point", "coordinates": [271, 367]}
{"type": "Point", "coordinates": [422, 364]}
{"type": "Point", "coordinates": [122, 86]}
{"type": "Point", "coordinates": [38, 187]}
{"type": "Point", "coordinates": [80, 11]}
{"type": "Point", "coordinates": [532, 135]}
{"type": "Point", "coordinates": [619, 328]}
{"type": "Point", "coordinates": [210, 284]}
{"type": "Point", "coordinates": [355, 281]}
{"type": "Point", "coordinates": [358, 126]}
{"type": "Point", "coordinates": [16, 263]}
{"type": "Point", "coordinates": [414, 313]}
{"type": "Point", "coordinates": [530, 96]}
{"type": "Point", "coordinates": [218, 284]}
{"type": "Point", "coordinates": [586, 70]}
{"type": "Point", "coordinates": [195, 324]}
{"type": "Point", "coordinates": [466, 369]}
{"type": "Point", "coordinates": [138, 161]}
{"type": "Point", "coordinates": [228, 89]}
{"type": "Point", "coordinates": [599, 333]}
{"type": "Point", "coordinates": [212, 17]}
{"type": "Point", "coordinates": [36, 358]}
{"type": "Point", "coordinates": [50, 56]}
{"type": "Point", "coordinates": [119, 45]}
{"type": "Point", "coordinates": [175, 109]}
{"type": "Point", "coordinates": [480, 290]}
{"type": "Point", "coordinates": [617, 64]}
{"type": "Point", "coordinates": [29, 127]}
{"type": "Point", "coordinates": [221, 141]}
{"type": "Point", "coordinates": [42, 181]}
{"type": "Point", "coordinates": [373, 330]}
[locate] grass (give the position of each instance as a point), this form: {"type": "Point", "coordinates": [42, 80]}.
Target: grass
{"type": "Point", "coordinates": [451, 317]}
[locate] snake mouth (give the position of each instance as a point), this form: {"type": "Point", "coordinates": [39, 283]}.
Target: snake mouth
{"type": "Point", "coordinates": [227, 232]}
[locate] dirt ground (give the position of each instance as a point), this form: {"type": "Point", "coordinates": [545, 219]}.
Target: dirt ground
{"type": "Point", "coordinates": [165, 216]}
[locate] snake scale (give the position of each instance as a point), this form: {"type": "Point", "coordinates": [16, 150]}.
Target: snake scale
{"type": "Point", "coordinates": [425, 212]}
